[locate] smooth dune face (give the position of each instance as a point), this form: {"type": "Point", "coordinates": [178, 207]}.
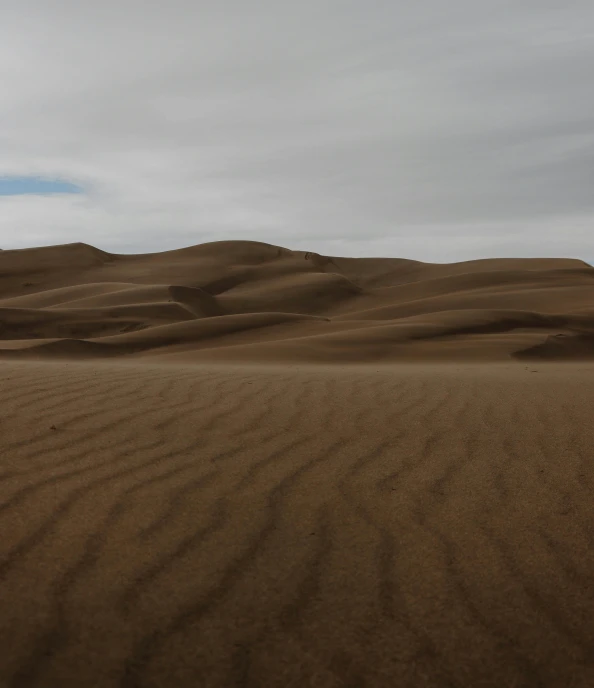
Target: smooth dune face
{"type": "Point", "coordinates": [221, 526]}
{"type": "Point", "coordinates": [248, 301]}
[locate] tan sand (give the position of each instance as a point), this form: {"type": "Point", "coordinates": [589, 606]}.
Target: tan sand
{"type": "Point", "coordinates": [198, 501]}
{"type": "Point", "coordinates": [248, 301]}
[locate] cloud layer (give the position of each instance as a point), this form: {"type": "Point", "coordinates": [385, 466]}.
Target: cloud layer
{"type": "Point", "coordinates": [431, 130]}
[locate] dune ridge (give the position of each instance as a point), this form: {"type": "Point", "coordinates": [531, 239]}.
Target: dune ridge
{"type": "Point", "coordinates": [290, 305]}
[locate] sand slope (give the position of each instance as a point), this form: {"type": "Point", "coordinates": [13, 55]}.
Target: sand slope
{"type": "Point", "coordinates": [192, 496]}
{"type": "Point", "coordinates": [249, 301]}
{"type": "Point", "coordinates": [212, 526]}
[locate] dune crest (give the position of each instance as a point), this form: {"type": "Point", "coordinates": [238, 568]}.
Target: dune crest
{"type": "Point", "coordinates": [290, 305]}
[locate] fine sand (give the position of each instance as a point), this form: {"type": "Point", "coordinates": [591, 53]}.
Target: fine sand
{"type": "Point", "coordinates": [240, 466]}
{"type": "Point", "coordinates": [248, 301]}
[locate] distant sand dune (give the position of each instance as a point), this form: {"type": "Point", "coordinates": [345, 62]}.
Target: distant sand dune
{"type": "Point", "coordinates": [91, 296]}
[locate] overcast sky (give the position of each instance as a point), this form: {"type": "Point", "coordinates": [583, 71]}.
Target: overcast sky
{"type": "Point", "coordinates": [433, 130]}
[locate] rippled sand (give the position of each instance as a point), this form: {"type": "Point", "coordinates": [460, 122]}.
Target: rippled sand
{"type": "Point", "coordinates": [264, 526]}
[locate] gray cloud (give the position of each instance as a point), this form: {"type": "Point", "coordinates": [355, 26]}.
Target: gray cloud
{"type": "Point", "coordinates": [439, 131]}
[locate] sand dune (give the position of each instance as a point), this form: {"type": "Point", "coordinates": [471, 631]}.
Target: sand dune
{"type": "Point", "coordinates": [331, 526]}
{"type": "Point", "coordinates": [220, 468]}
{"type": "Point", "coordinates": [77, 292]}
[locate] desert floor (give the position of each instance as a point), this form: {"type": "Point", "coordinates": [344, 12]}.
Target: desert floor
{"type": "Point", "coordinates": [216, 524]}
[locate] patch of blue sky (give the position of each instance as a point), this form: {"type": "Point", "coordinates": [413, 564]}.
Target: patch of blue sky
{"type": "Point", "coordinates": [20, 186]}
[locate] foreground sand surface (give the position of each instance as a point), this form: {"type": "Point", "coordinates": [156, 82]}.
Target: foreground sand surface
{"type": "Point", "coordinates": [261, 526]}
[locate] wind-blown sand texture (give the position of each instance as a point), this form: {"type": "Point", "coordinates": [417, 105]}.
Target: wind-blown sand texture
{"type": "Point", "coordinates": [188, 512]}
{"type": "Point", "coordinates": [242, 300]}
